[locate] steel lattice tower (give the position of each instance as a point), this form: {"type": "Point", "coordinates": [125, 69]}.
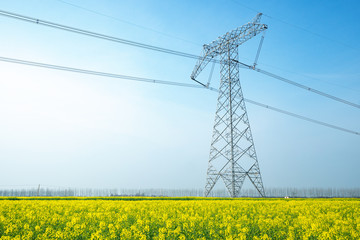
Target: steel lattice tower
{"type": "Point", "coordinates": [232, 152]}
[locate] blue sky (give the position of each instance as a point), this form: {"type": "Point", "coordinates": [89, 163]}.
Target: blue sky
{"type": "Point", "coordinates": [67, 129]}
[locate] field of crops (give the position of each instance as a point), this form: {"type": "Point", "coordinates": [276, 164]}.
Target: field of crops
{"type": "Point", "coordinates": [183, 218]}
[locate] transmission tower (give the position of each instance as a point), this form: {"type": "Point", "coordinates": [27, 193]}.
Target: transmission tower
{"type": "Point", "coordinates": [232, 151]}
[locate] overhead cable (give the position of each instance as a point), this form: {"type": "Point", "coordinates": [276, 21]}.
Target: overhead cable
{"type": "Point", "coordinates": [300, 85]}
{"type": "Point", "coordinates": [297, 115]}
{"type": "Point", "coordinates": [103, 74]}
{"type": "Point", "coordinates": [307, 88]}
{"type": "Point", "coordinates": [302, 117]}
{"type": "Point", "coordinates": [297, 26]}
{"type": "Point", "coordinates": [148, 80]}
{"type": "Point", "coordinates": [164, 50]}
{"type": "Point", "coordinates": [126, 22]}
{"type": "Point", "coordinates": [98, 35]}
{"type": "Point", "coordinates": [185, 40]}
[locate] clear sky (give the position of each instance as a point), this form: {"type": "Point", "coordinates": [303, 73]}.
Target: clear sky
{"type": "Point", "coordinates": [68, 129]}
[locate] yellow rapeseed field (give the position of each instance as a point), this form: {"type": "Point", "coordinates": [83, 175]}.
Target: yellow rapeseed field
{"type": "Point", "coordinates": [106, 218]}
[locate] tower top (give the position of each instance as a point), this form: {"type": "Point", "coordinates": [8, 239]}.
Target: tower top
{"type": "Point", "coordinates": [228, 41]}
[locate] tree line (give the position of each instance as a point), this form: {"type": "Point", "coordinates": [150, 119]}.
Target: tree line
{"type": "Point", "coordinates": [157, 192]}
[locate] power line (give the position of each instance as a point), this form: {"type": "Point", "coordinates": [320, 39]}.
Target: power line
{"type": "Point", "coordinates": [313, 33]}
{"type": "Point", "coordinates": [164, 50]}
{"type": "Point", "coordinates": [298, 27]}
{"type": "Point", "coordinates": [98, 35]}
{"type": "Point", "coordinates": [149, 80]}
{"type": "Point", "coordinates": [308, 88]}
{"type": "Point", "coordinates": [301, 86]}
{"type": "Point", "coordinates": [309, 77]}
{"type": "Point", "coordinates": [127, 22]}
{"type": "Point", "coordinates": [102, 74]}
{"type": "Point", "coordinates": [303, 29]}
{"type": "Point", "coordinates": [185, 40]}
{"type": "Point", "coordinates": [303, 118]}
{"type": "Point", "coordinates": [297, 115]}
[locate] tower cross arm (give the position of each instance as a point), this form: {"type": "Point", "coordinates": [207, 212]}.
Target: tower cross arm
{"type": "Point", "coordinates": [228, 41]}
